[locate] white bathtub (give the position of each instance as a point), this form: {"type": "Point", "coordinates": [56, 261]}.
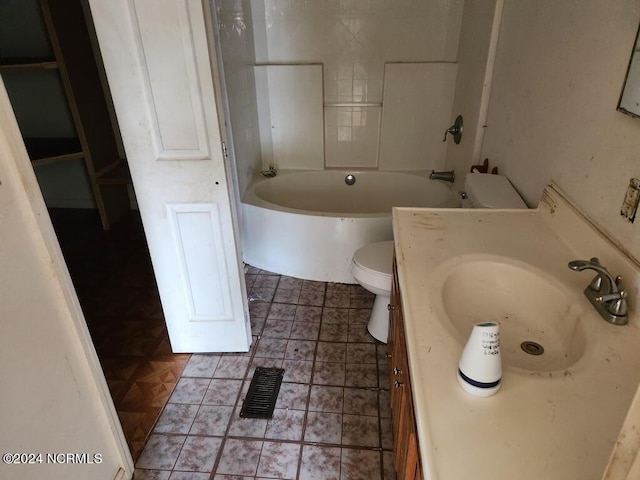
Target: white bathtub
{"type": "Point", "coordinates": [308, 224]}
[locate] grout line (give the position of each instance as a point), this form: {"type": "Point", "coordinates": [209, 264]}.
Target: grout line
{"type": "Point", "coordinates": [236, 405]}
{"type": "Point", "coordinates": [313, 368]}
{"type": "Point", "coordinates": [301, 443]}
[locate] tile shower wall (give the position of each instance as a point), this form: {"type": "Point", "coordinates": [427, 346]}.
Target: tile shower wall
{"type": "Point", "coordinates": [237, 45]}
{"type": "Point", "coordinates": [473, 83]}
{"type": "Point", "coordinates": [290, 115]}
{"type": "Point", "coordinates": [417, 102]}
{"type": "Point", "coordinates": [351, 136]}
{"type": "Point", "coordinates": [353, 39]}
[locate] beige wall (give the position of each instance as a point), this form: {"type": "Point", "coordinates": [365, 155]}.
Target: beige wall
{"type": "Point", "coordinates": [552, 114]}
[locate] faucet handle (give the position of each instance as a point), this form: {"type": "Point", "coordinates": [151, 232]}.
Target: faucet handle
{"type": "Point", "coordinates": [618, 302]}
{"type": "Point", "coordinates": [455, 130]}
{"type": "Point", "coordinates": [621, 295]}
{"type": "Point", "coordinates": [619, 306]}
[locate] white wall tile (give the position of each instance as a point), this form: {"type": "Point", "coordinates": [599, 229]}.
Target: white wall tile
{"type": "Point", "coordinates": [416, 111]}
{"type": "Point", "coordinates": [264, 116]}
{"type": "Point", "coordinates": [354, 39]}
{"type": "Point", "coordinates": [291, 115]}
{"type": "Point", "coordinates": [258, 20]}
{"type": "Point", "coordinates": [351, 136]}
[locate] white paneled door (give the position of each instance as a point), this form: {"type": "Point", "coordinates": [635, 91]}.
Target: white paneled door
{"type": "Point", "coordinates": [156, 55]}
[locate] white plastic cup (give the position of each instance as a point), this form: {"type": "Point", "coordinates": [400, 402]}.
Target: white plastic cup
{"type": "Point", "coordinates": [480, 366]}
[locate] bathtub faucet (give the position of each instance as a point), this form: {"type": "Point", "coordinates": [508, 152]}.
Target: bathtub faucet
{"type": "Point", "coordinates": [272, 172]}
{"type": "Point", "coordinates": [449, 176]}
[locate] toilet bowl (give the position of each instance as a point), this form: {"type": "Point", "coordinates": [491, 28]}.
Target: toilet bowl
{"type": "Point", "coordinates": [371, 267]}
{"type": "Point", "coordinates": [372, 264]}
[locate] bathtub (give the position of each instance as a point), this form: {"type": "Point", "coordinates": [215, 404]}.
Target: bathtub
{"type": "Point", "coordinates": [308, 224]}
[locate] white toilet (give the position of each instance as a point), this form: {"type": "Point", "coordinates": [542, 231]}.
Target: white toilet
{"type": "Point", "coordinates": [372, 264]}
{"type": "Point", "coordinates": [371, 267]}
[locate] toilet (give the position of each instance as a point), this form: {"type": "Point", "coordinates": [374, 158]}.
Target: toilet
{"type": "Point", "coordinates": [371, 267]}
{"type": "Point", "coordinates": [485, 190]}
{"type": "Point", "coordinates": [372, 264]}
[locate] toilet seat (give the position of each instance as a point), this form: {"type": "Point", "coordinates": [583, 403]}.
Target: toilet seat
{"type": "Point", "coordinates": [373, 265]}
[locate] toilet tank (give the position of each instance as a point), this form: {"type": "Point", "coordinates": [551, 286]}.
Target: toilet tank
{"type": "Point", "coordinates": [485, 190]}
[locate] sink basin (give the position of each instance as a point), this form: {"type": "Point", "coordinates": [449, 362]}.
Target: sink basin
{"type": "Point", "coordinates": [533, 310]}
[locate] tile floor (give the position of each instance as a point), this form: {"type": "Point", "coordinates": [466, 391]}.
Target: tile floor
{"type": "Point", "coordinates": [332, 417]}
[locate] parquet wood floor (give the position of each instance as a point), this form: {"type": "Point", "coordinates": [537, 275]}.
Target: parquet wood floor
{"type": "Point", "coordinates": [112, 274]}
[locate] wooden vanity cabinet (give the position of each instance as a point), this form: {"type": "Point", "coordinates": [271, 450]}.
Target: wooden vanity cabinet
{"type": "Point", "coordinates": [405, 451]}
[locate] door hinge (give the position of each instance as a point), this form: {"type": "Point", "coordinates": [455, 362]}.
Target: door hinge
{"type": "Point", "coordinates": [225, 152]}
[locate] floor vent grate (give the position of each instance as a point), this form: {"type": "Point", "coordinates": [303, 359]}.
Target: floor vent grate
{"type": "Point", "coordinates": [263, 393]}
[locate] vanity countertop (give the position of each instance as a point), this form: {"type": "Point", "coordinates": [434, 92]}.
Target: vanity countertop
{"type": "Point", "coordinates": [559, 424]}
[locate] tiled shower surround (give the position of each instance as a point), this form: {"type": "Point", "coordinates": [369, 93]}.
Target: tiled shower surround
{"type": "Point", "coordinates": [332, 417]}
{"type": "Point", "coordinates": [354, 41]}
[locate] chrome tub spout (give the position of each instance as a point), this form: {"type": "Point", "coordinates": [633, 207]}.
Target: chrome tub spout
{"type": "Point", "coordinates": [449, 176]}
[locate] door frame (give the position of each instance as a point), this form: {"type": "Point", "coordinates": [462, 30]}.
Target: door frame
{"type": "Point", "coordinates": [226, 135]}
{"type": "Point", "coordinates": [11, 141]}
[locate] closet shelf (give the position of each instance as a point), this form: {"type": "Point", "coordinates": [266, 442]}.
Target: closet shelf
{"type": "Point", "coordinates": [115, 174]}
{"type": "Point", "coordinates": [352, 104]}
{"type": "Point", "coordinates": [29, 63]}
{"type": "Point", "coordinates": [44, 151]}
{"type": "Point", "coordinates": [70, 38]}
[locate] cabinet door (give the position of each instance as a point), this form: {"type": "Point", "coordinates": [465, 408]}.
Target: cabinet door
{"type": "Point", "coordinates": [393, 302]}
{"type": "Point", "coordinates": [411, 462]}
{"type": "Point", "coordinates": [405, 435]}
{"type": "Point", "coordinates": [402, 414]}
{"type": "Point", "coordinates": [418, 475]}
{"type": "Point", "coordinates": [395, 321]}
{"type": "Point", "coordinates": [406, 458]}
{"type": "Point", "coordinates": [397, 362]}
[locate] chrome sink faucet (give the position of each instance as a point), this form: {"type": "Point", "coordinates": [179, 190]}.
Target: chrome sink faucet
{"type": "Point", "coordinates": [603, 292]}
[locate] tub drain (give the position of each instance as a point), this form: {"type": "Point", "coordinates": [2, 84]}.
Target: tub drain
{"type": "Point", "coordinates": [532, 348]}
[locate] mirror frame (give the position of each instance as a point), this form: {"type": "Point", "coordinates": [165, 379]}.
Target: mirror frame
{"type": "Point", "coordinates": [626, 78]}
